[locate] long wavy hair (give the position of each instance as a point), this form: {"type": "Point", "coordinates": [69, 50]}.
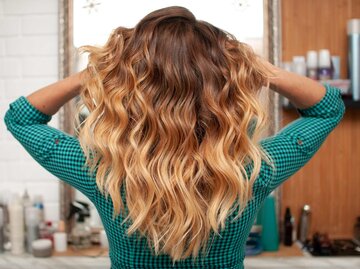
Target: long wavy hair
{"type": "Point", "coordinates": [171, 103]}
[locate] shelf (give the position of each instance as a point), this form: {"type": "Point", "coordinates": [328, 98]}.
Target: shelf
{"type": "Point", "coordinates": [342, 84]}
{"type": "Point", "coordinates": [284, 251]}
{"type": "Point", "coordinates": [348, 101]}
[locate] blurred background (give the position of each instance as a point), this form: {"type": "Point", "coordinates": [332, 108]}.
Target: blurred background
{"type": "Point", "coordinates": [312, 221]}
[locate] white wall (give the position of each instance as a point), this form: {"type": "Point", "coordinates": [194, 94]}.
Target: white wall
{"type": "Point", "coordinates": [28, 61]}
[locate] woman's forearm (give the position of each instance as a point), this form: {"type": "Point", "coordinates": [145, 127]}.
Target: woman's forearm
{"type": "Point", "coordinates": [50, 98]}
{"type": "Point", "coordinates": [302, 92]}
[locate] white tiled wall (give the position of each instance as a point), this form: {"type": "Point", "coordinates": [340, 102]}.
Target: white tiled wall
{"type": "Point", "coordinates": [28, 61]}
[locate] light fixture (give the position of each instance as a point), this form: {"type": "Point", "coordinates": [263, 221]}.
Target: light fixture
{"type": "Point", "coordinates": [92, 5]}
{"type": "Point", "coordinates": [241, 4]}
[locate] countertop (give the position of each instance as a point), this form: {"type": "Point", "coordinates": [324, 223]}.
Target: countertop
{"type": "Point", "coordinates": [96, 258]}
{"type": "Point", "coordinates": [8, 261]}
{"type": "Point", "coordinates": [284, 251]}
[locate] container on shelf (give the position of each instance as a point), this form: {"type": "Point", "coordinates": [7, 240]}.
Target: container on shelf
{"type": "Point", "coordinates": [353, 31]}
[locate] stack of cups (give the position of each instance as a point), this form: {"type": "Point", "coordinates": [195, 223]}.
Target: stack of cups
{"type": "Point", "coordinates": [16, 213]}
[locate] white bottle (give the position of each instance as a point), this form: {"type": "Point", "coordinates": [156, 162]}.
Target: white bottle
{"type": "Point", "coordinates": [60, 238]}
{"type": "Point", "coordinates": [26, 199]}
{"type": "Point", "coordinates": [335, 60]}
{"type": "Point", "coordinates": [17, 236]}
{"type": "Point", "coordinates": [2, 224]}
{"type": "Point", "coordinates": [38, 203]}
{"type": "Point", "coordinates": [324, 70]}
{"type": "Point", "coordinates": [312, 64]}
{"type": "Point", "coordinates": [32, 226]}
{"type": "Point", "coordinates": [299, 65]}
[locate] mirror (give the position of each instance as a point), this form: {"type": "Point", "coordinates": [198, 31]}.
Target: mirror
{"type": "Point", "coordinates": [89, 22]}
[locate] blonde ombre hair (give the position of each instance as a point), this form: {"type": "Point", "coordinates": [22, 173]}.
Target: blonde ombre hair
{"type": "Point", "coordinates": [171, 103]}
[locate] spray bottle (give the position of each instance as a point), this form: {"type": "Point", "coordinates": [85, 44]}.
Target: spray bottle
{"type": "Point", "coordinates": [81, 233]}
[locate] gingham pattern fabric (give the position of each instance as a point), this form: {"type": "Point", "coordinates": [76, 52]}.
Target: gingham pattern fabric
{"type": "Point", "coordinates": [290, 149]}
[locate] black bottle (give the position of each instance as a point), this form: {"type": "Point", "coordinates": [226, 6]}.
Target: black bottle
{"type": "Point", "coordinates": [288, 228]}
{"type": "Point", "coordinates": [357, 230]}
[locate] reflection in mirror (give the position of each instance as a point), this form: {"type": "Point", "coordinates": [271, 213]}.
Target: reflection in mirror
{"type": "Point", "coordinates": [93, 21]}
{"type": "Point", "coordinates": [89, 22]}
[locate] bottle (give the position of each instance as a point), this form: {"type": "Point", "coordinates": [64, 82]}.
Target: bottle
{"type": "Point", "coordinates": [357, 230]}
{"type": "Point", "coordinates": [60, 238]}
{"type": "Point", "coordinates": [304, 223]}
{"type": "Point", "coordinates": [324, 70]}
{"type": "Point", "coordinates": [353, 31]}
{"type": "Point", "coordinates": [17, 237]}
{"type": "Point", "coordinates": [47, 230]}
{"type": "Point", "coordinates": [4, 202]}
{"type": "Point", "coordinates": [299, 65]}
{"type": "Point", "coordinates": [268, 220]}
{"type": "Point", "coordinates": [312, 64]}
{"type": "Point", "coordinates": [81, 232]}
{"type": "Point", "coordinates": [294, 229]}
{"type": "Point", "coordinates": [288, 228]}
{"type": "Point", "coordinates": [38, 203]}
{"type": "Point", "coordinates": [335, 61]}
{"type": "Point", "coordinates": [26, 199]}
{"type": "Point", "coordinates": [32, 222]}
{"type": "Point", "coordinates": [2, 224]}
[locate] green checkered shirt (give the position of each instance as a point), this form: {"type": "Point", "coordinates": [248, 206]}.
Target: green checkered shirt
{"type": "Point", "coordinates": [61, 154]}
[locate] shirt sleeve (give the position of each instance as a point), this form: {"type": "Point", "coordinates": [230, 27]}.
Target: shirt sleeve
{"type": "Point", "coordinates": [293, 146]}
{"type": "Point", "coordinates": [56, 151]}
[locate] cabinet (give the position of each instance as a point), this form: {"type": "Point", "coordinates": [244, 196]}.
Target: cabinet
{"type": "Point", "coordinates": [330, 181]}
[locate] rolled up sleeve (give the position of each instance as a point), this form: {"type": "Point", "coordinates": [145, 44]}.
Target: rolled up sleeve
{"type": "Point", "coordinates": [293, 146]}
{"type": "Point", "coordinates": [56, 151]}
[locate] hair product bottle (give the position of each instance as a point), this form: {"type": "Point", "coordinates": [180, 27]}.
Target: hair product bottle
{"type": "Point", "coordinates": [60, 238]}
{"type": "Point", "coordinates": [26, 199]}
{"type": "Point", "coordinates": [2, 224]}
{"type": "Point", "coordinates": [16, 212]}
{"type": "Point", "coordinates": [353, 29]}
{"type": "Point", "coordinates": [288, 228]}
{"type": "Point", "coordinates": [81, 232]}
{"type": "Point", "coordinates": [304, 223]}
{"type": "Point", "coordinates": [267, 219]}
{"type": "Point", "coordinates": [38, 203]}
{"type": "Point", "coordinates": [335, 60]}
{"type": "Point", "coordinates": [312, 64]}
{"type": "Point", "coordinates": [32, 222]}
{"type": "Point", "coordinates": [299, 65]}
{"type": "Point", "coordinates": [324, 70]}
{"type": "Point", "coordinates": [357, 230]}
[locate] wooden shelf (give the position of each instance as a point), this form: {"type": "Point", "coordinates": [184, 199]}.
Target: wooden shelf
{"type": "Point", "coordinates": [284, 251]}
{"type": "Point", "coordinates": [348, 101]}
{"type": "Point", "coordinates": [93, 251]}
{"type": "Point", "coordinates": [96, 251]}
